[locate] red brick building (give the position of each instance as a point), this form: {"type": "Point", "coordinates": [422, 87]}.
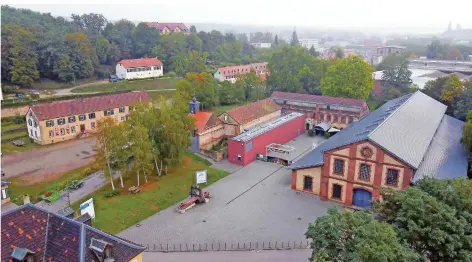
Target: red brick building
{"type": "Point", "coordinates": [339, 112]}
{"type": "Point", "coordinates": [403, 141]}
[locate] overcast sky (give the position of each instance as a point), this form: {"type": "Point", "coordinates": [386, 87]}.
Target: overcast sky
{"type": "Point", "coordinates": [400, 14]}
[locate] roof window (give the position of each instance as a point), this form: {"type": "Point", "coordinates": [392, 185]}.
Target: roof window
{"type": "Point", "coordinates": [22, 255]}
{"type": "Point", "coordinates": [102, 250]}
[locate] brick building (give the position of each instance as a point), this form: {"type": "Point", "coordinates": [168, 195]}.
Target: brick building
{"type": "Point", "coordinates": [403, 141]}
{"type": "Point", "coordinates": [167, 28]}
{"type": "Point", "coordinates": [231, 73]}
{"type": "Point", "coordinates": [339, 112]}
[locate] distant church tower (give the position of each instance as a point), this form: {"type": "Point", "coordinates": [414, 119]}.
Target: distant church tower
{"type": "Point", "coordinates": [194, 106]}
{"type": "Point", "coordinates": [449, 28]}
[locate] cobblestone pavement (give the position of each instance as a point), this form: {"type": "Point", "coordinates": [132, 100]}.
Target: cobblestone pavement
{"type": "Point", "coordinates": [253, 204]}
{"type": "Point", "coordinates": [300, 255]}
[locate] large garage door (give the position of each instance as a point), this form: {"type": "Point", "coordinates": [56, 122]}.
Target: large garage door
{"type": "Point", "coordinates": [362, 198]}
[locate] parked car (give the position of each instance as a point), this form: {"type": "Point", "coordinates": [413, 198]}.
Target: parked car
{"type": "Point", "coordinates": [20, 95]}
{"type": "Point", "coordinates": [114, 78]}
{"type": "Point", "coordinates": [33, 92]}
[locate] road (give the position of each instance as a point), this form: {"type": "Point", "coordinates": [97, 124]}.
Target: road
{"type": "Point", "coordinates": [300, 255]}
{"type": "Point", "coordinates": [67, 91]}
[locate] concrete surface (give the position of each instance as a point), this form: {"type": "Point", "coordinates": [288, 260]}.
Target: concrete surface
{"type": "Point", "coordinates": [8, 206]}
{"type": "Point", "coordinates": [253, 204]}
{"type": "Point", "coordinates": [300, 255]}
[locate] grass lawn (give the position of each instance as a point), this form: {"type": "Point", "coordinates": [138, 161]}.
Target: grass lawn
{"type": "Point", "coordinates": [145, 84]}
{"type": "Point", "coordinates": [221, 109]}
{"type": "Point", "coordinates": [18, 188]}
{"type": "Point", "coordinates": [155, 95]}
{"type": "Point", "coordinates": [21, 134]}
{"type": "Point", "coordinates": [51, 84]}
{"type": "Point", "coordinates": [10, 126]}
{"type": "Point", "coordinates": [124, 210]}
{"type": "Point", "coordinates": [8, 147]}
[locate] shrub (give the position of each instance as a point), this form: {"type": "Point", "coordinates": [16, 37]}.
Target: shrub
{"type": "Point", "coordinates": [111, 193]}
{"type": "Point", "coordinates": [10, 89]}
{"type": "Point", "coordinates": [311, 132]}
{"type": "Point", "coordinates": [19, 119]}
{"type": "Point", "coordinates": [48, 194]}
{"type": "Point", "coordinates": [327, 135]}
{"type": "Point", "coordinates": [171, 74]}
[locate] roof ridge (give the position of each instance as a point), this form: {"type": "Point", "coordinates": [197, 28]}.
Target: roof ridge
{"type": "Point", "coordinates": [46, 238]}
{"type": "Point", "coordinates": [115, 238]}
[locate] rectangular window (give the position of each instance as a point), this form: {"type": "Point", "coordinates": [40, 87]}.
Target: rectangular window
{"type": "Point", "coordinates": [339, 166]}
{"type": "Point", "coordinates": [4, 194]}
{"type": "Point", "coordinates": [92, 116]}
{"type": "Point", "coordinates": [35, 123]}
{"type": "Point", "coordinates": [51, 133]}
{"type": "Point", "coordinates": [109, 112]}
{"type": "Point", "coordinates": [31, 132]}
{"type": "Point", "coordinates": [63, 131]}
{"type": "Point", "coordinates": [92, 124]}
{"type": "Point", "coordinates": [71, 119]}
{"type": "Point", "coordinates": [121, 110]}
{"type": "Point", "coordinates": [337, 189]}
{"type": "Point", "coordinates": [35, 134]}
{"type": "Point", "coordinates": [364, 172]}
{"type": "Point", "coordinates": [61, 121]}
{"type": "Point", "coordinates": [308, 183]}
{"type": "Point", "coordinates": [72, 129]}
{"type": "Point", "coordinates": [30, 123]}
{"type": "Point", "coordinates": [392, 177]}
{"type": "Point", "coordinates": [249, 146]}
{"type": "Point", "coordinates": [82, 118]}
{"type": "Point", "coordinates": [49, 123]}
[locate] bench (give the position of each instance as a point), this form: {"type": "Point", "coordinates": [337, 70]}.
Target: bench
{"type": "Point", "coordinates": [133, 189]}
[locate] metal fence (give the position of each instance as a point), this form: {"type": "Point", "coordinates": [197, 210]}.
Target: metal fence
{"type": "Point", "coordinates": [226, 246]}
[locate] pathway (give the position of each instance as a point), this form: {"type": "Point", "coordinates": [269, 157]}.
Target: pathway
{"type": "Point", "coordinates": [67, 91]}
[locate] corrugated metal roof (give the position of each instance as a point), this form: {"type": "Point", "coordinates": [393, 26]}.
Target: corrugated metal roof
{"type": "Point", "coordinates": [259, 130]}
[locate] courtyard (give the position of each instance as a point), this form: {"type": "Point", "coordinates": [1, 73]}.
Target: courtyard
{"type": "Point", "coordinates": [253, 204]}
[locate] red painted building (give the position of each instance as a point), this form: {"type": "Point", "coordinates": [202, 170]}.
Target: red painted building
{"type": "Point", "coordinates": [244, 148]}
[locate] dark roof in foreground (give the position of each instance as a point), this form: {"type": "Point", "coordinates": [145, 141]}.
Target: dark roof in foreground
{"type": "Point", "coordinates": [318, 99]}
{"type": "Point", "coordinates": [413, 128]}
{"type": "Point", "coordinates": [79, 106]}
{"type": "Point", "coordinates": [56, 238]}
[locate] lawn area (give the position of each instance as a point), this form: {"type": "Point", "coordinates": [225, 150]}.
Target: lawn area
{"type": "Point", "coordinates": [10, 126]}
{"type": "Point", "coordinates": [21, 134]}
{"type": "Point", "coordinates": [155, 95]}
{"type": "Point", "coordinates": [221, 109]}
{"type": "Point", "coordinates": [8, 147]}
{"type": "Point", "coordinates": [124, 210]}
{"type": "Point", "coordinates": [145, 84]}
{"type": "Point", "coordinates": [51, 84]}
{"type": "Point", "coordinates": [18, 187]}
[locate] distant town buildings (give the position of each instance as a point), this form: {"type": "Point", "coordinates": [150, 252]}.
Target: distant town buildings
{"type": "Point", "coordinates": [167, 28]}
{"type": "Point", "coordinates": [261, 45]}
{"type": "Point", "coordinates": [140, 68]}
{"type": "Point", "coordinates": [231, 73]}
{"type": "Point", "coordinates": [54, 122]}
{"type": "Point", "coordinates": [308, 43]}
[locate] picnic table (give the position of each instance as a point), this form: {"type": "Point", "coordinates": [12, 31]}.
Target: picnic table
{"type": "Point", "coordinates": [133, 189]}
{"type": "Point", "coordinates": [19, 143]}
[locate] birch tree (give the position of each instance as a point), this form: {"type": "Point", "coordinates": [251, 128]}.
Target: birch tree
{"type": "Point", "coordinates": [104, 145]}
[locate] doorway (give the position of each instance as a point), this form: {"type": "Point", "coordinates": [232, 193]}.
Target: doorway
{"type": "Point", "coordinates": [307, 126]}
{"type": "Point", "coordinates": [362, 198]}
{"type": "Point", "coordinates": [82, 128]}
{"type": "Point", "coordinates": [308, 183]}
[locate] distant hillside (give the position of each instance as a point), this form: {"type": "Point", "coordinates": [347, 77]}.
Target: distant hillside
{"type": "Point", "coordinates": [464, 34]}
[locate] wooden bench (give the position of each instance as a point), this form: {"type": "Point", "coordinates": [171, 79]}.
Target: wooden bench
{"type": "Point", "coordinates": [133, 189]}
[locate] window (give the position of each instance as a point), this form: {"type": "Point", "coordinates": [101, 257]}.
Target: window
{"type": "Point", "coordinates": [31, 132]}
{"type": "Point", "coordinates": [4, 194]}
{"type": "Point", "coordinates": [49, 123]}
{"type": "Point", "coordinates": [51, 133]}
{"type": "Point", "coordinates": [392, 177]}
{"type": "Point", "coordinates": [337, 189]}
{"type": "Point", "coordinates": [35, 134]}
{"type": "Point", "coordinates": [30, 123]}
{"type": "Point", "coordinates": [63, 131]}
{"type": "Point", "coordinates": [71, 119]}
{"type": "Point", "coordinates": [121, 110]}
{"type": "Point", "coordinates": [308, 183]}
{"type": "Point", "coordinates": [35, 123]}
{"type": "Point", "coordinates": [72, 129]}
{"type": "Point", "coordinates": [249, 146]}
{"type": "Point", "coordinates": [61, 121]}
{"type": "Point", "coordinates": [339, 166]}
{"type": "Point", "coordinates": [92, 116]}
{"type": "Point", "coordinates": [109, 112]}
{"type": "Point", "coordinates": [364, 172]}
{"type": "Point", "coordinates": [122, 118]}
{"type": "Point", "coordinates": [82, 118]}
{"type": "Point", "coordinates": [92, 124]}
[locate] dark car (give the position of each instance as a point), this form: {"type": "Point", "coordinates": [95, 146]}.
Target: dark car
{"type": "Point", "coordinates": [113, 78]}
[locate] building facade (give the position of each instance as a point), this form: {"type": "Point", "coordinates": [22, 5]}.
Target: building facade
{"type": "Point", "coordinates": [403, 141]}
{"type": "Point", "coordinates": [308, 43]}
{"type": "Point", "coordinates": [167, 28]}
{"type": "Point", "coordinates": [339, 112]}
{"type": "Point", "coordinates": [231, 73]}
{"type": "Point", "coordinates": [130, 69]}
{"type": "Point", "coordinates": [261, 45]}
{"type": "Point", "coordinates": [54, 122]}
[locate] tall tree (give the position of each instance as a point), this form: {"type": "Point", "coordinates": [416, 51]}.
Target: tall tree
{"type": "Point", "coordinates": [92, 24]}
{"type": "Point", "coordinates": [435, 49]}
{"type": "Point", "coordinates": [313, 52]}
{"type": "Point", "coordinates": [193, 29]}
{"type": "Point", "coordinates": [398, 75]}
{"type": "Point", "coordinates": [464, 103]}
{"type": "Point", "coordinates": [120, 33]}
{"type": "Point", "coordinates": [350, 77]}
{"type": "Point", "coordinates": [144, 39]}
{"type": "Point", "coordinates": [294, 40]}
{"type": "Point", "coordinates": [63, 69]}
{"type": "Point", "coordinates": [105, 146]}
{"type": "Point", "coordinates": [453, 89]}
{"type": "Point", "coordinates": [467, 138]}
{"type": "Point", "coordinates": [276, 40]}
{"type": "Point", "coordinates": [102, 49]}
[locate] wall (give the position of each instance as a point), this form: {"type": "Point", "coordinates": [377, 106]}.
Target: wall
{"type": "Point", "coordinates": [299, 179]}
{"type": "Point", "coordinates": [211, 136]}
{"type": "Point", "coordinates": [33, 127]}
{"type": "Point", "coordinates": [279, 135]}
{"type": "Point", "coordinates": [138, 258]}
{"type": "Point", "coordinates": [15, 111]}
{"type": "Point", "coordinates": [260, 120]}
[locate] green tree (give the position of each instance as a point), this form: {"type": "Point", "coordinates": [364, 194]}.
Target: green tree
{"type": "Point", "coordinates": [105, 146]}
{"type": "Point", "coordinates": [355, 236]}
{"type": "Point", "coordinates": [276, 40]}
{"type": "Point", "coordinates": [392, 61]}
{"type": "Point", "coordinates": [467, 137]}
{"type": "Point", "coordinates": [141, 149]}
{"type": "Point", "coordinates": [204, 87]}
{"type": "Point", "coordinates": [339, 52]}
{"type": "Point", "coordinates": [452, 89]}
{"type": "Point", "coordinates": [294, 40]}
{"type": "Point", "coordinates": [63, 69]}
{"type": "Point", "coordinates": [120, 34]}
{"type": "Point", "coordinates": [181, 63]}
{"type": "Point", "coordinates": [144, 39]}
{"type": "Point", "coordinates": [92, 24]}
{"type": "Point", "coordinates": [194, 43]}
{"type": "Point", "coordinates": [464, 103]}
{"type": "Point", "coordinates": [193, 29]}
{"type": "Point", "coordinates": [435, 50]}
{"type": "Point", "coordinates": [79, 51]}
{"type": "Point", "coordinates": [102, 48]}
{"type": "Point", "coordinates": [350, 77]}
{"type": "Point", "coordinates": [313, 52]}
{"type": "Point", "coordinates": [398, 75]}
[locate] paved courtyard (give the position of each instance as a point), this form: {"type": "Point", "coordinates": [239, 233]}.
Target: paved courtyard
{"type": "Point", "coordinates": [254, 204]}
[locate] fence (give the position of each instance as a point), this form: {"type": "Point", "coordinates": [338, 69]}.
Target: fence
{"type": "Point", "coordinates": [225, 246]}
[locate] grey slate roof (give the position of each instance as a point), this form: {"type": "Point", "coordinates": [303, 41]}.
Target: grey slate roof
{"type": "Point", "coordinates": [413, 128]}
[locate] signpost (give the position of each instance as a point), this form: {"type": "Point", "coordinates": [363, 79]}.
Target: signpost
{"type": "Point", "coordinates": [87, 207]}
{"type": "Point", "coordinates": [201, 177]}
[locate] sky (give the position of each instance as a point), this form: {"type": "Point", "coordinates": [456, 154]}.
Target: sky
{"type": "Point", "coordinates": [409, 15]}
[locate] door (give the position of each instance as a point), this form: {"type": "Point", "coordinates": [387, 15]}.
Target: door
{"type": "Point", "coordinates": [307, 126]}
{"type": "Point", "coordinates": [308, 183]}
{"type": "Point", "coordinates": [82, 128]}
{"type": "Point", "coordinates": [362, 198]}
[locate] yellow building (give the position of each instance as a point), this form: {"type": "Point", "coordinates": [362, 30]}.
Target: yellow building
{"type": "Point", "coordinates": [54, 122]}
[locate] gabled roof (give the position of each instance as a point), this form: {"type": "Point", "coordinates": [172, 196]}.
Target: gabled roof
{"type": "Point", "coordinates": [171, 26]}
{"type": "Point", "coordinates": [318, 99]}
{"type": "Point", "coordinates": [140, 62]}
{"type": "Point", "coordinates": [406, 127]}
{"type": "Point", "coordinates": [56, 238]}
{"type": "Point", "coordinates": [204, 120]}
{"type": "Point", "coordinates": [65, 108]}
{"type": "Point", "coordinates": [247, 113]}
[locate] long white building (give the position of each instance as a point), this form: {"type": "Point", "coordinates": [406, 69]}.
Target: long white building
{"type": "Point", "coordinates": [139, 68]}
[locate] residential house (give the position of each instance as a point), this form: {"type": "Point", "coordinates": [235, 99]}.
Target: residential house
{"type": "Point", "coordinates": [261, 44]}
{"type": "Point", "coordinates": [167, 28]}
{"type": "Point", "coordinates": [130, 69]}
{"type": "Point", "coordinates": [338, 112]}
{"type": "Point", "coordinates": [402, 142]}
{"type": "Point", "coordinates": [231, 73]}
{"type": "Point", "coordinates": [54, 122]}
{"type": "Point", "coordinates": [33, 234]}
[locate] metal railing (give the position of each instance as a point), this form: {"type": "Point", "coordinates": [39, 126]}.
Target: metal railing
{"type": "Point", "coordinates": [227, 246]}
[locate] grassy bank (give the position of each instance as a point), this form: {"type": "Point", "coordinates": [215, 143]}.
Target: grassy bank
{"type": "Point", "coordinates": [220, 109]}
{"type": "Point", "coordinates": [155, 95]}
{"type": "Point", "coordinates": [145, 84]}
{"type": "Point", "coordinates": [124, 210]}
{"type": "Point", "coordinates": [51, 84]}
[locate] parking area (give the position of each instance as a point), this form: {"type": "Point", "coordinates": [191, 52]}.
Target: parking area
{"type": "Point", "coordinates": [254, 204]}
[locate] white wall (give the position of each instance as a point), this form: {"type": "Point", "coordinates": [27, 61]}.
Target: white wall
{"type": "Point", "coordinates": [33, 131]}
{"type": "Point", "coordinates": [123, 73]}
{"type": "Point", "coordinates": [220, 77]}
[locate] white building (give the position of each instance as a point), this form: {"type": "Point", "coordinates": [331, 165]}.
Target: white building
{"type": "Point", "coordinates": [139, 68]}
{"type": "Point", "coordinates": [261, 45]}
{"type": "Point", "coordinates": [308, 43]}
{"type": "Point", "coordinates": [231, 73]}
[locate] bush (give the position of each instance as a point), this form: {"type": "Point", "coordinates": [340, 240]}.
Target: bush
{"type": "Point", "coordinates": [311, 132]}
{"type": "Point", "coordinates": [327, 135]}
{"type": "Point", "coordinates": [19, 119]}
{"type": "Point", "coordinates": [10, 89]}
{"type": "Point", "coordinates": [111, 193]}
{"type": "Point", "coordinates": [171, 74]}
